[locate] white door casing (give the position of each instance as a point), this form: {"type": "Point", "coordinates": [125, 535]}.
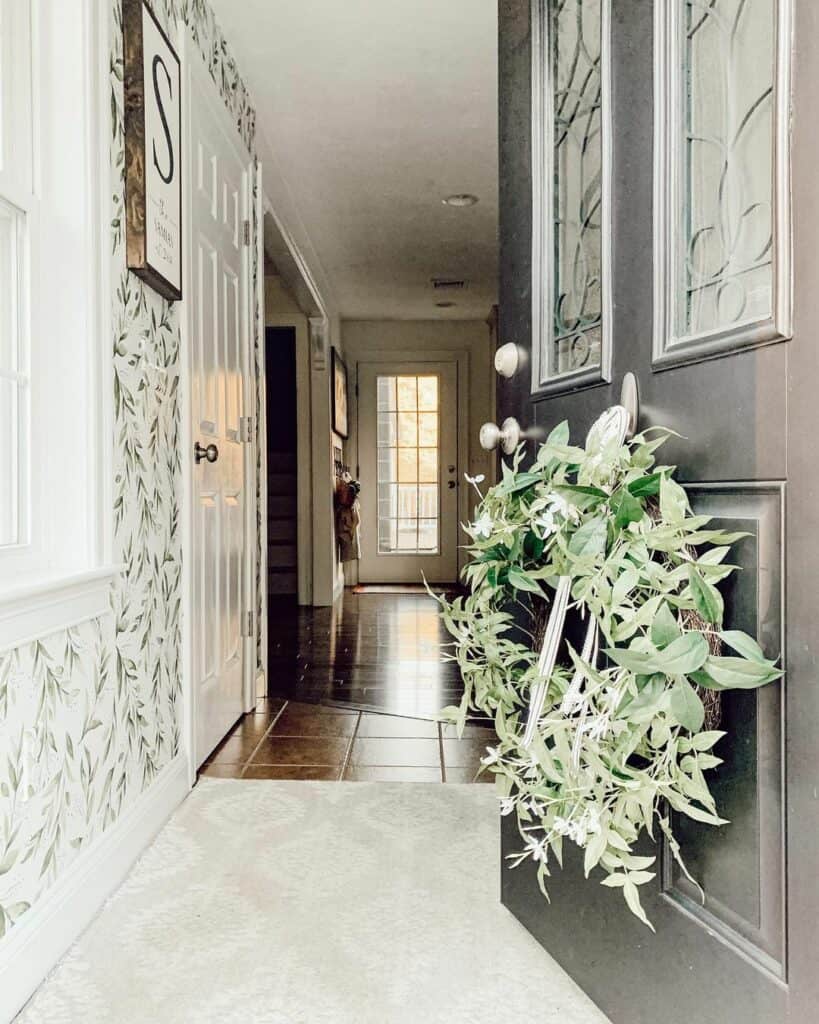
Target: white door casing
{"type": "Point", "coordinates": [217, 298]}
{"type": "Point", "coordinates": [409, 496]}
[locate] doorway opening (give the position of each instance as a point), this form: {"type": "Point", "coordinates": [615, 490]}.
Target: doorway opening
{"type": "Point", "coordinates": [282, 461]}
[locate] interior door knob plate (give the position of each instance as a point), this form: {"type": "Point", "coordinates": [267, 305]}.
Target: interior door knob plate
{"type": "Point", "coordinates": [507, 359]}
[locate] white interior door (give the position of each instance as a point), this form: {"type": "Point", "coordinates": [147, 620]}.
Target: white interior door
{"type": "Point", "coordinates": [218, 294]}
{"type": "Point", "coordinates": [408, 455]}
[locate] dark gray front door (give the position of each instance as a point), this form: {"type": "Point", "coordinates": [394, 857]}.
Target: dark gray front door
{"type": "Point", "coordinates": [658, 216]}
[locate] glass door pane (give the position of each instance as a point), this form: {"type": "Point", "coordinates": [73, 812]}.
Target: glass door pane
{"type": "Point", "coordinates": [726, 236]}
{"type": "Point", "coordinates": [408, 464]}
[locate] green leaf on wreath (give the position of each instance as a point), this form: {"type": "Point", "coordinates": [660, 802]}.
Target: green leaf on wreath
{"type": "Point", "coordinates": [590, 539]}
{"type": "Point", "coordinates": [626, 508]}
{"type": "Point", "coordinates": [744, 645]}
{"type": "Point", "coordinates": [735, 674]}
{"type": "Point", "coordinates": [686, 705]}
{"type": "Point", "coordinates": [673, 501]}
{"type": "Point", "coordinates": [646, 486]}
{"type": "Point", "coordinates": [522, 581]}
{"type": "Point", "coordinates": [707, 599]}
{"type": "Point", "coordinates": [664, 628]}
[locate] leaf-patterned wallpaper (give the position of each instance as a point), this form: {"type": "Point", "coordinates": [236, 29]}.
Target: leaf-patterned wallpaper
{"type": "Point", "coordinates": [89, 716]}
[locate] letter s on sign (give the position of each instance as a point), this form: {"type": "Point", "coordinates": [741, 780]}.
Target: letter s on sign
{"type": "Point", "coordinates": [157, 63]}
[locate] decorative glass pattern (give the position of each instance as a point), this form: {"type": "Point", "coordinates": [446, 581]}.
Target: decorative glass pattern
{"type": "Point", "coordinates": [725, 242]}
{"type": "Point", "coordinates": [408, 464]}
{"type": "Point", "coordinates": [575, 60]}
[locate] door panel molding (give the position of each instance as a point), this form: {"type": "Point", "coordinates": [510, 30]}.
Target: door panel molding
{"type": "Point", "coordinates": [671, 348]}
{"type": "Point", "coordinates": [744, 862]}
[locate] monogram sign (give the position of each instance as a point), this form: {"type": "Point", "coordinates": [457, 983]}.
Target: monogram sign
{"type": "Point", "coordinates": [153, 186]}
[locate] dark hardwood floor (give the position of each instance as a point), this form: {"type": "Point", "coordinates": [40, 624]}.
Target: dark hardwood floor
{"type": "Point", "coordinates": [353, 691]}
{"type": "Point", "coordinates": [372, 650]}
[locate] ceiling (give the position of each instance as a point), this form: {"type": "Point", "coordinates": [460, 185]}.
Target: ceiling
{"type": "Point", "coordinates": [375, 110]}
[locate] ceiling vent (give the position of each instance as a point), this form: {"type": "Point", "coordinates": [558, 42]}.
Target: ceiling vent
{"type": "Point", "coordinates": [448, 284]}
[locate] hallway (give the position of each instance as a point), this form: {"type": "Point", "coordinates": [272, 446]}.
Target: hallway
{"type": "Point", "coordinates": [513, 297]}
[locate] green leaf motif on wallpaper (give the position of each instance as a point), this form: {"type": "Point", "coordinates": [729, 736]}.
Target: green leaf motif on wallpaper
{"type": "Point", "coordinates": [90, 716]}
{"type": "Point", "coordinates": [622, 734]}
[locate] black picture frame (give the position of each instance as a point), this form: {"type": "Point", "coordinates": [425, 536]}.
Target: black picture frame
{"type": "Point", "coordinates": [341, 425]}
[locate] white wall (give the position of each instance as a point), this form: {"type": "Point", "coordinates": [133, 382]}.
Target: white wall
{"type": "Point", "coordinates": [278, 298]}
{"type": "Point", "coordinates": [367, 339]}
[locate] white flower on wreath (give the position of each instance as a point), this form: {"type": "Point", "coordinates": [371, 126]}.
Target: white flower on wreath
{"type": "Point", "coordinates": [492, 756]}
{"type": "Point", "coordinates": [580, 829]}
{"type": "Point", "coordinates": [538, 849]}
{"type": "Point", "coordinates": [507, 805]}
{"type": "Point", "coordinates": [558, 505]}
{"type": "Point", "coordinates": [546, 524]}
{"type": "Point", "coordinates": [475, 480]}
{"type": "Point", "coordinates": [482, 527]}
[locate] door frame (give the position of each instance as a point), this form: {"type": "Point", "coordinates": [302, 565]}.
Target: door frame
{"type": "Point", "coordinates": [197, 81]}
{"type": "Point", "coordinates": [460, 357]}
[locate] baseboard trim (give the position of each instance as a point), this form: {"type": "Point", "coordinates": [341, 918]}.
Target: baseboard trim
{"type": "Point", "coordinates": [33, 947]}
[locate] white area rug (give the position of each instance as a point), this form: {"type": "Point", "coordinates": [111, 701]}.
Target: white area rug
{"type": "Point", "coordinates": [314, 903]}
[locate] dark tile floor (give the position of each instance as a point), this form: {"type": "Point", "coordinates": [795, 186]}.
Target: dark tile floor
{"type": "Point", "coordinates": [374, 650]}
{"type": "Point", "coordinates": [292, 740]}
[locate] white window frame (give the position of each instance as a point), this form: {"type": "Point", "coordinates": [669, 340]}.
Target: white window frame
{"type": "Point", "coordinates": [61, 572]}
{"type": "Point", "coordinates": [669, 349]}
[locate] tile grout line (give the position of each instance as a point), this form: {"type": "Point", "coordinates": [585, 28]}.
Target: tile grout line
{"type": "Point", "coordinates": [441, 751]}
{"type": "Point", "coordinates": [349, 749]}
{"type": "Point", "coordinates": [265, 734]}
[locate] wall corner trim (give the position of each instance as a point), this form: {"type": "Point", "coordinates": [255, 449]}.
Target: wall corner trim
{"type": "Point", "coordinates": [35, 945]}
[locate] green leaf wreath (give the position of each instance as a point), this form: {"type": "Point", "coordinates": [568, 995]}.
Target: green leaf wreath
{"type": "Point", "coordinates": [620, 740]}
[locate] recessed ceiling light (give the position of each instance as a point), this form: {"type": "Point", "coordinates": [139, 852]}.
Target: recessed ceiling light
{"type": "Point", "coordinates": [444, 305]}
{"type": "Point", "coordinates": [460, 199]}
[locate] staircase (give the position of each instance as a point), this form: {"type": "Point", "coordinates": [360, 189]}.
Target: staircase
{"type": "Point", "coordinates": [281, 523]}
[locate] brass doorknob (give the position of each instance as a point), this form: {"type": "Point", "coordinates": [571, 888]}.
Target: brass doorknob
{"type": "Point", "coordinates": [211, 453]}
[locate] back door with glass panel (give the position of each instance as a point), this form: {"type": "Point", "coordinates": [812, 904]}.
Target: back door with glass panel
{"type": "Point", "coordinates": [407, 429]}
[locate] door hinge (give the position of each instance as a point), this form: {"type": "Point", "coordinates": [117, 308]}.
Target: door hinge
{"type": "Point", "coordinates": [246, 429]}
{"type": "Point", "coordinates": [248, 624]}
{"type": "Point", "coordinates": [246, 232]}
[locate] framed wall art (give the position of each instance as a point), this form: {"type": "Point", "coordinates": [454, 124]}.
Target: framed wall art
{"type": "Point", "coordinates": [340, 421]}
{"type": "Point", "coordinates": [153, 180]}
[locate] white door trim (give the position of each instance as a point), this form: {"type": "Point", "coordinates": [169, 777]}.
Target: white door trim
{"type": "Point", "coordinates": [197, 81]}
